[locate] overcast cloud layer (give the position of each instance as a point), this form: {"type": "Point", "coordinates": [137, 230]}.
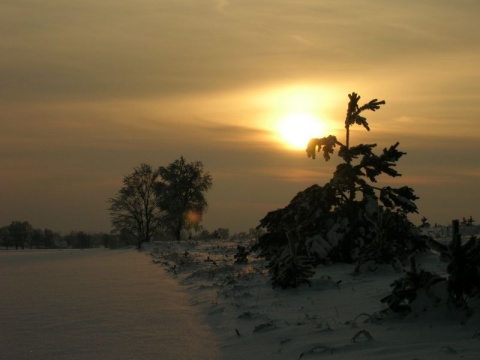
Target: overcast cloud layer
{"type": "Point", "coordinates": [91, 89]}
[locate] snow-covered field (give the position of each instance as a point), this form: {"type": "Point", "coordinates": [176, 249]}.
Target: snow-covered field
{"type": "Point", "coordinates": [338, 317]}
{"type": "Point", "coordinates": [95, 304]}
{"type": "Point", "coordinates": [188, 300]}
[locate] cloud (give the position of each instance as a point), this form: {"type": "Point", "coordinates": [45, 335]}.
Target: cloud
{"type": "Point", "coordinates": [90, 89]}
{"type": "Point", "coordinates": [104, 50]}
{"type": "Point", "coordinates": [297, 174]}
{"type": "Point", "coordinates": [220, 133]}
{"type": "Point", "coordinates": [221, 5]}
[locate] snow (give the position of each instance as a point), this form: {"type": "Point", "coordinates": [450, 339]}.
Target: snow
{"type": "Point", "coordinates": [188, 300]}
{"type": "Point", "coordinates": [95, 304]}
{"type": "Point", "coordinates": [338, 317]}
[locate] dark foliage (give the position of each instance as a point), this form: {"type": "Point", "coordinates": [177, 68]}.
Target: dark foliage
{"type": "Point", "coordinates": [241, 257]}
{"type": "Point", "coordinates": [464, 269]}
{"type": "Point", "coordinates": [20, 232]}
{"type": "Point", "coordinates": [181, 193]}
{"type": "Point", "coordinates": [290, 271]}
{"type": "Point", "coordinates": [349, 218]}
{"type": "Point", "coordinates": [463, 278]}
{"type": "Point", "coordinates": [405, 289]}
{"type": "Point", "coordinates": [134, 210]}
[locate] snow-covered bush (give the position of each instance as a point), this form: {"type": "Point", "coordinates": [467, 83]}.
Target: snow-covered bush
{"type": "Point", "coordinates": [241, 256]}
{"type": "Point", "coordinates": [349, 218]}
{"type": "Point", "coordinates": [406, 289]}
{"type": "Point", "coordinates": [461, 285]}
{"type": "Point", "coordinates": [290, 270]}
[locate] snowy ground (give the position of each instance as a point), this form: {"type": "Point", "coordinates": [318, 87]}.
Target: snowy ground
{"type": "Point", "coordinates": [338, 317]}
{"type": "Point", "coordinates": [192, 302]}
{"type": "Point", "coordinates": [95, 304]}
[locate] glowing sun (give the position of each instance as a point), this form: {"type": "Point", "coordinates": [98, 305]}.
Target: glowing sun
{"type": "Point", "coordinates": [297, 129]}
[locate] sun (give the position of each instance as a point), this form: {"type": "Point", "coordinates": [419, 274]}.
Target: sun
{"type": "Point", "coordinates": [296, 129]}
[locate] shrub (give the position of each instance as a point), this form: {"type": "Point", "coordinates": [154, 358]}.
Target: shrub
{"type": "Point", "coordinates": [241, 255]}
{"type": "Point", "coordinates": [406, 289]}
{"type": "Point", "coordinates": [464, 269]}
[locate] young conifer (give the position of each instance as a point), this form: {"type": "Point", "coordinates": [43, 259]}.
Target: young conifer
{"type": "Point", "coordinates": [350, 218]}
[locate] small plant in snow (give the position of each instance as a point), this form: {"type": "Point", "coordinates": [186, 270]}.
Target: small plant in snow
{"type": "Point", "coordinates": [291, 271]}
{"type": "Point", "coordinates": [290, 268]}
{"type": "Point", "coordinates": [362, 335]}
{"type": "Point", "coordinates": [367, 318]}
{"type": "Point", "coordinates": [406, 289]}
{"type": "Point", "coordinates": [176, 261]}
{"type": "Point", "coordinates": [268, 326]}
{"type": "Point", "coordinates": [462, 282]}
{"type": "Point", "coordinates": [241, 255]}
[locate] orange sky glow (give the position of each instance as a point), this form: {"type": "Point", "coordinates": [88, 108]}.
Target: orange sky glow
{"type": "Point", "coordinates": [91, 89]}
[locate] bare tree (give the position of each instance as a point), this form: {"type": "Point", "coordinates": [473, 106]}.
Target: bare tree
{"type": "Point", "coordinates": [134, 210]}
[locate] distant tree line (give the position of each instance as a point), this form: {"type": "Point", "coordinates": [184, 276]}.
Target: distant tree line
{"type": "Point", "coordinates": [21, 235]}
{"type": "Point", "coordinates": [465, 222]}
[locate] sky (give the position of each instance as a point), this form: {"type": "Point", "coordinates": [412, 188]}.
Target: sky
{"type": "Point", "coordinates": [91, 89]}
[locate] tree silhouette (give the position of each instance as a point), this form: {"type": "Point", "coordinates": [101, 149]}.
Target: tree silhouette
{"type": "Point", "coordinates": [134, 210]}
{"type": "Point", "coordinates": [180, 194]}
{"type": "Point", "coordinates": [21, 233]}
{"type": "Point", "coordinates": [351, 179]}
{"type": "Point", "coordinates": [349, 218]}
